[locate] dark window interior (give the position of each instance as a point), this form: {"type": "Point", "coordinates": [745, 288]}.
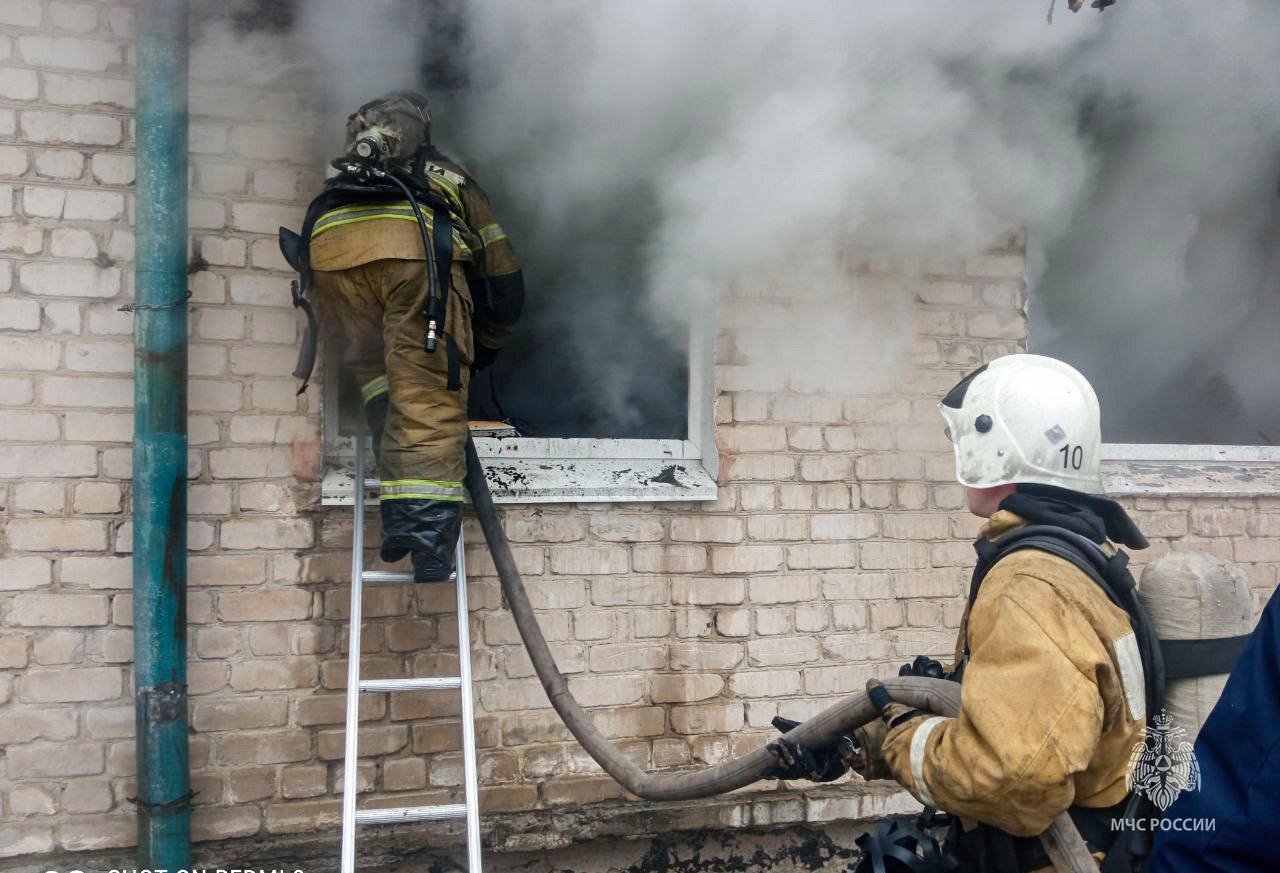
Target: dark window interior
{"type": "Point", "coordinates": [590, 358]}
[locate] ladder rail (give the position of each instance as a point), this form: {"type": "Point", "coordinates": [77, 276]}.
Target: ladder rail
{"type": "Point", "coordinates": [470, 778]}
{"type": "Point", "coordinates": [350, 753]}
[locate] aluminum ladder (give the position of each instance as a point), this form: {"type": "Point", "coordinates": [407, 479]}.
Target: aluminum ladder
{"type": "Point", "coordinates": [352, 817]}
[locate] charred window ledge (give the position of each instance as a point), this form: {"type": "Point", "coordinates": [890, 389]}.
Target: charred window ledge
{"type": "Point", "coordinates": [1191, 470]}
{"type": "Point", "coordinates": [523, 470]}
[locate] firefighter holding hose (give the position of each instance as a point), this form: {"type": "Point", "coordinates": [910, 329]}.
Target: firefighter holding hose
{"type": "Point", "coordinates": [1054, 658]}
{"type": "Point", "coordinates": [405, 262]}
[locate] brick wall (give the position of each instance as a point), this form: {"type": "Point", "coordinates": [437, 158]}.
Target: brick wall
{"type": "Point", "coordinates": [838, 547]}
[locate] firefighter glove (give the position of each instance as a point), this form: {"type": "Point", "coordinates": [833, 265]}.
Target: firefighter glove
{"type": "Point", "coordinates": [871, 736]}
{"type": "Point", "coordinates": [924, 666]}
{"type": "Point", "coordinates": [869, 761]}
{"type": "Point", "coordinates": [892, 714]}
{"type": "Point", "coordinates": [795, 761]}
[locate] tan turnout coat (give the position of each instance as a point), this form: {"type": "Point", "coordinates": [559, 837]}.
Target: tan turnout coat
{"type": "Point", "coordinates": [1052, 703]}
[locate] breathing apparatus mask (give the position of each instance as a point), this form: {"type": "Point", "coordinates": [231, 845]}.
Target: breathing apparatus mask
{"type": "Point", "coordinates": [367, 157]}
{"type": "Point", "coordinates": [371, 146]}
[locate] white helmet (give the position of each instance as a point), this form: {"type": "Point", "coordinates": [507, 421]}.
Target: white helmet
{"type": "Point", "coordinates": [1025, 418]}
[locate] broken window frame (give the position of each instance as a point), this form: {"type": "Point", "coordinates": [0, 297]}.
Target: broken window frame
{"type": "Point", "coordinates": [569, 470]}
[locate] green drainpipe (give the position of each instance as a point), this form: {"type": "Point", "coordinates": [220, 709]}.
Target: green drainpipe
{"type": "Point", "coordinates": [160, 440]}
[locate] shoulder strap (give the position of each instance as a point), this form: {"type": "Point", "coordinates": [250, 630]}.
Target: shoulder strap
{"type": "Point", "coordinates": [1109, 572]}
{"type": "Point", "coordinates": [1090, 559]}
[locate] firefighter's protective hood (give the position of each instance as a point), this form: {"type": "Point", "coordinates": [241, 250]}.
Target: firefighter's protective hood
{"type": "Point", "coordinates": [1025, 419]}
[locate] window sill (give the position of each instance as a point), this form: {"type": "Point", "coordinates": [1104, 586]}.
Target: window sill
{"type": "Point", "coordinates": [1190, 470]}
{"type": "Point", "coordinates": [572, 471]}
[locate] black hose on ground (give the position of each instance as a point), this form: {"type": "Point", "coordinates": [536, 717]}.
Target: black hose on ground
{"type": "Point", "coordinates": [1062, 840]}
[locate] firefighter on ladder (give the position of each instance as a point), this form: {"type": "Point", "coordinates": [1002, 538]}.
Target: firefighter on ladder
{"type": "Point", "coordinates": [368, 262]}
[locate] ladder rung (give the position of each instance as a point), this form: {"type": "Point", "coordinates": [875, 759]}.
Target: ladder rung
{"type": "Point", "coordinates": [386, 576]}
{"type": "Point", "coordinates": [411, 813]}
{"type": "Point", "coordinates": [369, 686]}
{"type": "Point", "coordinates": [393, 576]}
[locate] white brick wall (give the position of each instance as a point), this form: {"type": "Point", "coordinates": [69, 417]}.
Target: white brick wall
{"type": "Point", "coordinates": [837, 550]}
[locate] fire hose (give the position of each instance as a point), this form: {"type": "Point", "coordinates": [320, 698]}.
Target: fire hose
{"type": "Point", "coordinates": [1062, 841]}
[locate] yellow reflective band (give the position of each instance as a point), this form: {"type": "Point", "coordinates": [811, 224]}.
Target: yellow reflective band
{"type": "Point", "coordinates": [397, 206]}
{"type": "Point", "coordinates": [338, 217]}
{"type": "Point", "coordinates": [368, 207]}
{"type": "Point", "coordinates": [442, 484]}
{"type": "Point", "coordinates": [421, 489]}
{"type": "Point", "coordinates": [353, 214]}
{"type": "Point", "coordinates": [491, 233]}
{"type": "Point", "coordinates": [374, 387]}
{"type": "Point", "coordinates": [450, 189]}
{"type": "Point", "coordinates": [449, 498]}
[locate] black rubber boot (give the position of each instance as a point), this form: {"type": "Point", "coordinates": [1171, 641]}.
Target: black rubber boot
{"type": "Point", "coordinates": [426, 529]}
{"type": "Point", "coordinates": [429, 568]}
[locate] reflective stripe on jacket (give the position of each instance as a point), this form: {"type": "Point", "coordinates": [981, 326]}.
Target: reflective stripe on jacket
{"type": "Point", "coordinates": [350, 236]}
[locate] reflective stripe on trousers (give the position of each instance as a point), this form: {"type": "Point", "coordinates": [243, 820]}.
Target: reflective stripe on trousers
{"type": "Point", "coordinates": [375, 386]}
{"type": "Point", "coordinates": [421, 489]}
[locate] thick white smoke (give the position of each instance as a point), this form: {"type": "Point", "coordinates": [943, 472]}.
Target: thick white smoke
{"type": "Point", "coordinates": [719, 141]}
{"type": "Point", "coordinates": [910, 128]}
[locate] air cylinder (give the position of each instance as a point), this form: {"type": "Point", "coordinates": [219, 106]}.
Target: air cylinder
{"type": "Point", "coordinates": [1195, 596]}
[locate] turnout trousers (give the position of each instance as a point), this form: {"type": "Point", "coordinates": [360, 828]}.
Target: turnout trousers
{"type": "Point", "coordinates": [415, 401]}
